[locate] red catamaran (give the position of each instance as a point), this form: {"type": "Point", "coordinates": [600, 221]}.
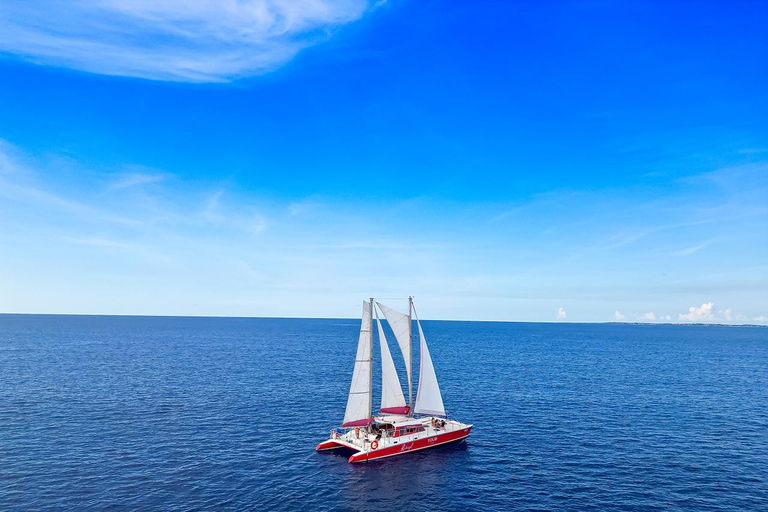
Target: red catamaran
{"type": "Point", "coordinates": [399, 428]}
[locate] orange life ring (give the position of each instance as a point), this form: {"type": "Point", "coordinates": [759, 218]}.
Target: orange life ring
{"type": "Point", "coordinates": [374, 445]}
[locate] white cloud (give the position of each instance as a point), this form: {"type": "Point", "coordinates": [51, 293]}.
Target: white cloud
{"type": "Point", "coordinates": [761, 318]}
{"type": "Point", "coordinates": [618, 315]}
{"type": "Point", "coordinates": [665, 317]}
{"type": "Point", "coordinates": [560, 313]}
{"type": "Point", "coordinates": [698, 314]}
{"type": "Point", "coordinates": [649, 316]}
{"type": "Point", "coordinates": [727, 313]}
{"type": "Point", "coordinates": [178, 40]}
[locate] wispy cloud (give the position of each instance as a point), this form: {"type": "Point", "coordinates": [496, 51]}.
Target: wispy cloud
{"type": "Point", "coordinates": [97, 242]}
{"type": "Point", "coordinates": [623, 239]}
{"type": "Point", "coordinates": [21, 184]}
{"type": "Point", "coordinates": [212, 208]}
{"type": "Point", "coordinates": [690, 250]}
{"type": "Point", "coordinates": [134, 179]}
{"type": "Point", "coordinates": [541, 200]}
{"type": "Point", "coordinates": [377, 244]}
{"type": "Point", "coordinates": [215, 212]}
{"type": "Point", "coordinates": [215, 240]}
{"type": "Point", "coordinates": [179, 40]}
{"type": "Point", "coordinates": [257, 224]}
{"type": "Point", "coordinates": [34, 195]}
{"type": "Point", "coordinates": [304, 207]}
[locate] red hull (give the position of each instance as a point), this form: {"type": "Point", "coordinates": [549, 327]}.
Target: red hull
{"type": "Point", "coordinates": [332, 445]}
{"type": "Point", "coordinates": [419, 444]}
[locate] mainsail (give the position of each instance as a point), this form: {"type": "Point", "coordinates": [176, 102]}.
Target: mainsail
{"type": "Point", "coordinates": [428, 397]}
{"type": "Point", "coordinates": [358, 411]}
{"type": "Point", "coordinates": [392, 399]}
{"type": "Point", "coordinates": [401, 327]}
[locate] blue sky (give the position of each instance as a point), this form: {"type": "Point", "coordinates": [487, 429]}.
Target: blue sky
{"type": "Point", "coordinates": [525, 161]}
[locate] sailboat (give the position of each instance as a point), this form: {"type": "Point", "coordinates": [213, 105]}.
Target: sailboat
{"type": "Point", "coordinates": [398, 428]}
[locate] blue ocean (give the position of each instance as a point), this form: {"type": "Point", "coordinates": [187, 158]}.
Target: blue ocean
{"type": "Point", "coordinates": [155, 413]}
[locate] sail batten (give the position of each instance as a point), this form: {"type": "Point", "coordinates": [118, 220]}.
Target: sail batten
{"type": "Point", "coordinates": [429, 400]}
{"type": "Point", "coordinates": [358, 410]}
{"type": "Point", "coordinates": [392, 399]}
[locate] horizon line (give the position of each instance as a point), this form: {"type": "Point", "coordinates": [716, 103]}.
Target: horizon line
{"type": "Point", "coordinates": [554, 322]}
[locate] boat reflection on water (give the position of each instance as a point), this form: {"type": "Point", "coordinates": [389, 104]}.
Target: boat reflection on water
{"type": "Point", "coordinates": [398, 483]}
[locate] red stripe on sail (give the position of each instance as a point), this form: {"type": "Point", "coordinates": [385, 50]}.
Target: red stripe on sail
{"type": "Point", "coordinates": [357, 423]}
{"type": "Point", "coordinates": [395, 410]}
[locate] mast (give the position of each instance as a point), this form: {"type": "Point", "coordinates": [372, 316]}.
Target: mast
{"type": "Point", "coordinates": [410, 352]}
{"type": "Point", "coordinates": [370, 371]}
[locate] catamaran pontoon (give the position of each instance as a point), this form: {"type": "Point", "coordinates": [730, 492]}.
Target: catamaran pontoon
{"type": "Point", "coordinates": [400, 428]}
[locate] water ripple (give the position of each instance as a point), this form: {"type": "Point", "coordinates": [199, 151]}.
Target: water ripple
{"type": "Point", "coordinates": [116, 413]}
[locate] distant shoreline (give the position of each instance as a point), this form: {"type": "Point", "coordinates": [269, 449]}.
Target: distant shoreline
{"type": "Point", "coordinates": [686, 324]}
{"type": "Point", "coordinates": [712, 324]}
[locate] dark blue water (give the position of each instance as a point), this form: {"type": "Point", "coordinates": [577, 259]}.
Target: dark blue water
{"type": "Point", "coordinates": [132, 413]}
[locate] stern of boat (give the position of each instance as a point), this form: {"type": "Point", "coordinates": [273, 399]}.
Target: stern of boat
{"type": "Point", "coordinates": [328, 445]}
{"type": "Point", "coordinates": [337, 442]}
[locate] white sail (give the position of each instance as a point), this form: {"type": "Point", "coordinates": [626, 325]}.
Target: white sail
{"type": "Point", "coordinates": [428, 397]}
{"type": "Point", "coordinates": [392, 399]}
{"type": "Point", "coordinates": [358, 411]}
{"type": "Point", "coordinates": [401, 327]}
